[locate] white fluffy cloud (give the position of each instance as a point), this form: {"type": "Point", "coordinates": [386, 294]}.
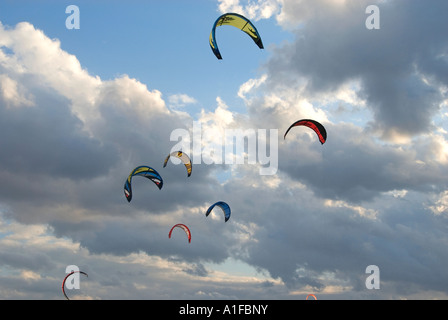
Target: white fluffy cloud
{"type": "Point", "coordinates": [251, 9]}
{"type": "Point", "coordinates": [180, 100]}
{"type": "Point", "coordinates": [13, 94]}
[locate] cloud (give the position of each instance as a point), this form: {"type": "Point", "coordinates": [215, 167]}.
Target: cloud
{"type": "Point", "coordinates": [81, 135]}
{"type": "Point", "coordinates": [346, 187]}
{"type": "Point", "coordinates": [392, 79]}
{"type": "Point", "coordinates": [64, 160]}
{"type": "Point", "coordinates": [70, 139]}
{"type": "Point", "coordinates": [328, 82]}
{"type": "Point", "coordinates": [180, 100]}
{"type": "Point", "coordinates": [11, 92]}
{"type": "Point", "coordinates": [37, 55]}
{"type": "Point", "coordinates": [252, 10]}
{"type": "Point", "coordinates": [440, 205]}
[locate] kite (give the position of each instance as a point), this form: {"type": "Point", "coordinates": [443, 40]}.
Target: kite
{"type": "Point", "coordinates": [65, 279]}
{"type": "Point", "coordinates": [184, 227]}
{"type": "Point", "coordinates": [311, 295]}
{"type": "Point", "coordinates": [183, 157]}
{"type": "Point", "coordinates": [142, 171]}
{"type": "Point", "coordinates": [316, 126]}
{"type": "Point", "coordinates": [224, 206]}
{"type": "Point", "coordinates": [238, 21]}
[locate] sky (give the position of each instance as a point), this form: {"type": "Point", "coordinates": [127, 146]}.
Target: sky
{"type": "Point", "coordinates": [81, 108]}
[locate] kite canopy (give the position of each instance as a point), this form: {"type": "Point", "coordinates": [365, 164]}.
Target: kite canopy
{"type": "Point", "coordinates": [182, 226]}
{"type": "Point", "coordinates": [224, 206]}
{"type": "Point", "coordinates": [65, 279]}
{"type": "Point", "coordinates": [238, 21]}
{"type": "Point", "coordinates": [143, 171]}
{"type": "Point", "coordinates": [313, 124]}
{"type": "Point", "coordinates": [311, 295]}
{"type": "Point", "coordinates": [183, 157]}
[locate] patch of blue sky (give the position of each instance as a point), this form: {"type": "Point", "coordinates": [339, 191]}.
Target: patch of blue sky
{"type": "Point", "coordinates": [163, 44]}
{"type": "Point", "coordinates": [223, 175]}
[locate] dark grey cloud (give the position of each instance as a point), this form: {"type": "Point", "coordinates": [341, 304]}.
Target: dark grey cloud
{"type": "Point", "coordinates": [47, 139]}
{"type": "Point", "coordinates": [334, 47]}
{"type": "Point", "coordinates": [352, 166]}
{"type": "Point", "coordinates": [307, 242]}
{"type": "Point", "coordinates": [197, 269]}
{"type": "Point", "coordinates": [400, 71]}
{"type": "Point", "coordinates": [31, 261]}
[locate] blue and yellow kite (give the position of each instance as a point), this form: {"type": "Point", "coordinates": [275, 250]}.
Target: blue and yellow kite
{"type": "Point", "coordinates": [143, 171]}
{"type": "Point", "coordinates": [238, 21]}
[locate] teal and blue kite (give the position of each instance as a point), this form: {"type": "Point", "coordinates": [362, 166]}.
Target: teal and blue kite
{"type": "Point", "coordinates": [224, 206]}
{"type": "Point", "coordinates": [142, 171]}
